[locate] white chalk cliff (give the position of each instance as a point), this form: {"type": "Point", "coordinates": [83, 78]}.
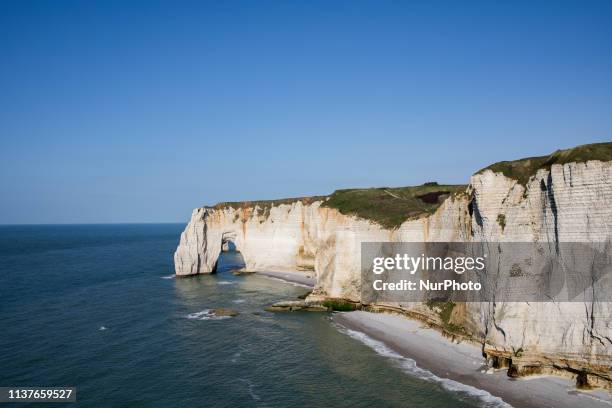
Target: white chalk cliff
{"type": "Point", "coordinates": [570, 202]}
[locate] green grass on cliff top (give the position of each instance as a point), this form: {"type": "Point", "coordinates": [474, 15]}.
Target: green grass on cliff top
{"type": "Point", "coordinates": [522, 170]}
{"type": "Point", "coordinates": [389, 207]}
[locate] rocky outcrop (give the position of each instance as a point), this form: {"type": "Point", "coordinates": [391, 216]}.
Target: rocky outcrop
{"type": "Point", "coordinates": [569, 202]}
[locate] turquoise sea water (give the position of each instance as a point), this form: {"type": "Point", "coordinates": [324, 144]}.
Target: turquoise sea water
{"type": "Point", "coordinates": [96, 307]}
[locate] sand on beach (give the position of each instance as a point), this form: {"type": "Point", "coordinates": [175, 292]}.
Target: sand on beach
{"type": "Point", "coordinates": [465, 364]}
{"type": "Point", "coordinates": [300, 277]}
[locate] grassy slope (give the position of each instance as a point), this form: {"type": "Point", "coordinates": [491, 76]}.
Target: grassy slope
{"type": "Point", "coordinates": [522, 170]}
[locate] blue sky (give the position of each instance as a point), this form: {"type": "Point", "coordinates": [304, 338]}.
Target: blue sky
{"type": "Point", "coordinates": [140, 111]}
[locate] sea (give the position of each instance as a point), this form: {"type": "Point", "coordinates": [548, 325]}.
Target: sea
{"type": "Point", "coordinates": [97, 307]}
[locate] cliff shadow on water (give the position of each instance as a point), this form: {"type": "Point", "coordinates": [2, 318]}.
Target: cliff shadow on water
{"type": "Point", "coordinates": [229, 259]}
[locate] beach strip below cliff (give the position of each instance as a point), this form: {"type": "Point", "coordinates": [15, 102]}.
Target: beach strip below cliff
{"type": "Point", "coordinates": [424, 352]}
{"type": "Point", "coordinates": [299, 278]}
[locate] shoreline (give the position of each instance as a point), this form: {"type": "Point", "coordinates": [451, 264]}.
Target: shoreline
{"type": "Point", "coordinates": [305, 279]}
{"type": "Point", "coordinates": [462, 363]}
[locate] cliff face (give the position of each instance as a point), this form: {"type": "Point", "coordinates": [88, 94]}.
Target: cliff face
{"type": "Point", "coordinates": [570, 202]}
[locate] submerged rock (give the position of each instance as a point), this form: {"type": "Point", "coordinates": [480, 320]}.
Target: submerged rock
{"type": "Point", "coordinates": [224, 312]}
{"type": "Point", "coordinates": [238, 272]}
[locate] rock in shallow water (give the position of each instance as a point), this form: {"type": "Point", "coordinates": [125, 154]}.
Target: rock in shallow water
{"type": "Point", "coordinates": [239, 272]}
{"type": "Point", "coordinates": [296, 305]}
{"type": "Point", "coordinates": [224, 312]}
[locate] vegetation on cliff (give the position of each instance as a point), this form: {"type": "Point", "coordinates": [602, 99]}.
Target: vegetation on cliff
{"type": "Point", "coordinates": [390, 207]}
{"type": "Point", "coordinates": [444, 310]}
{"type": "Point", "coordinates": [523, 169]}
{"type": "Point", "coordinates": [340, 305]}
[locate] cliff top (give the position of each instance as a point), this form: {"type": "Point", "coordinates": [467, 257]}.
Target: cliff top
{"type": "Point", "coordinates": [387, 206]}
{"type": "Point", "coordinates": [267, 204]}
{"type": "Point", "coordinates": [523, 169]}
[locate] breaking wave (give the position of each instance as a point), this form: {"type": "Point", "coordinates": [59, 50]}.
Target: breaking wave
{"type": "Point", "coordinates": [206, 314]}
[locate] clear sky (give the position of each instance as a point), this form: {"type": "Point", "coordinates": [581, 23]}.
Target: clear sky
{"type": "Point", "coordinates": [140, 111]}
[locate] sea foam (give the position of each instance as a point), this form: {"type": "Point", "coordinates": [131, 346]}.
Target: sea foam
{"type": "Point", "coordinates": [206, 314]}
